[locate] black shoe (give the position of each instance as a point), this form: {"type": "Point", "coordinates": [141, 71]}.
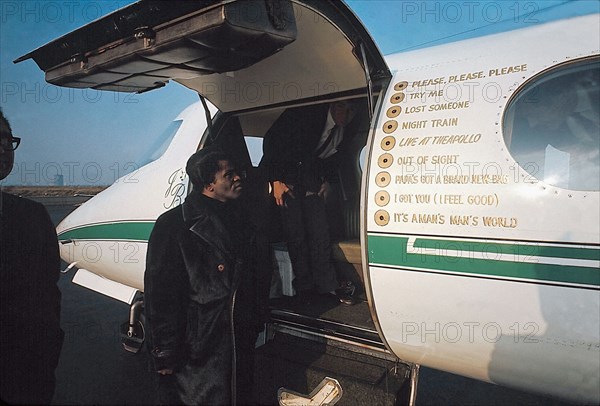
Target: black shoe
{"type": "Point", "coordinates": [345, 293]}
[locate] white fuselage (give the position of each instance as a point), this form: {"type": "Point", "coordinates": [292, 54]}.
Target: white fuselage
{"type": "Point", "coordinates": [485, 280]}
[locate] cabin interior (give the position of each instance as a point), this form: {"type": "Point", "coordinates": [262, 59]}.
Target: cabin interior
{"type": "Point", "coordinates": [242, 135]}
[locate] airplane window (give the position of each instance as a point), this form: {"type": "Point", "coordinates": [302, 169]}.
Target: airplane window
{"type": "Point", "coordinates": [362, 157]}
{"type": "Point", "coordinates": [160, 145]}
{"type": "Point", "coordinates": [255, 150]}
{"type": "Point", "coordinates": [552, 127]}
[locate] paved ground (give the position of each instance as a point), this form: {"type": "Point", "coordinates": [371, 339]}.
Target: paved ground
{"type": "Point", "coordinates": [93, 368]}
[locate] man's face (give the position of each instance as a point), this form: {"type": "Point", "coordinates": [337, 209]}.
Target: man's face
{"type": "Point", "coordinates": [342, 113]}
{"type": "Point", "coordinates": [7, 156]}
{"type": "Point", "coordinates": [227, 184]}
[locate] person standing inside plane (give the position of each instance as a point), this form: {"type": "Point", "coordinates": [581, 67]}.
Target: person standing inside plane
{"type": "Point", "coordinates": [300, 157]}
{"type": "Point", "coordinates": [201, 295]}
{"type": "Point", "coordinates": [30, 334]}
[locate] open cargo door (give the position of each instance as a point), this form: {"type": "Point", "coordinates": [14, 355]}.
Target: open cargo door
{"type": "Point", "coordinates": [237, 54]}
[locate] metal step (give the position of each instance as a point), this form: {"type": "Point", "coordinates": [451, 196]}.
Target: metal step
{"type": "Point", "coordinates": [312, 327]}
{"type": "Point", "coordinates": [325, 316]}
{"type": "Point", "coordinates": [300, 361]}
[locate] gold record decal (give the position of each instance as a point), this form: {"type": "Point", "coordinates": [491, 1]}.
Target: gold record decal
{"type": "Point", "coordinates": [394, 111]}
{"type": "Point", "coordinates": [382, 198]}
{"type": "Point", "coordinates": [397, 98]}
{"type": "Point", "coordinates": [400, 86]}
{"type": "Point", "coordinates": [382, 217]}
{"type": "Point", "coordinates": [388, 143]}
{"type": "Point", "coordinates": [390, 126]}
{"type": "Point", "coordinates": [385, 161]}
{"type": "Point", "coordinates": [383, 179]}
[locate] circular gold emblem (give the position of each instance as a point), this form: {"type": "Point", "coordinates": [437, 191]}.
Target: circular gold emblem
{"type": "Point", "coordinates": [401, 86]}
{"type": "Point", "coordinates": [385, 161]}
{"type": "Point", "coordinates": [394, 111]}
{"type": "Point", "coordinates": [383, 179]}
{"type": "Point", "coordinates": [388, 143]}
{"type": "Point", "coordinates": [382, 217]}
{"type": "Point", "coordinates": [397, 98]}
{"type": "Point", "coordinates": [382, 198]}
{"type": "Point", "coordinates": [390, 126]}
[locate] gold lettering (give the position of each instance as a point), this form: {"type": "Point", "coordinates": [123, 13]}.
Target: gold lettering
{"type": "Point", "coordinates": [456, 220]}
{"type": "Point", "coordinates": [408, 142]}
{"type": "Point", "coordinates": [445, 122]}
{"type": "Point", "coordinates": [466, 76]}
{"type": "Point", "coordinates": [412, 125]}
{"type": "Point", "coordinates": [456, 139]}
{"type": "Point", "coordinates": [414, 109]}
{"type": "Point", "coordinates": [507, 70]}
{"type": "Point", "coordinates": [450, 106]}
{"type": "Point", "coordinates": [444, 159]}
{"type": "Point", "coordinates": [500, 222]}
{"type": "Point", "coordinates": [456, 179]}
{"type": "Point", "coordinates": [407, 179]}
{"type": "Point", "coordinates": [450, 199]}
{"type": "Point", "coordinates": [400, 218]}
{"type": "Point", "coordinates": [423, 199]}
{"type": "Point", "coordinates": [428, 218]}
{"type": "Point", "coordinates": [489, 179]}
{"type": "Point", "coordinates": [428, 82]}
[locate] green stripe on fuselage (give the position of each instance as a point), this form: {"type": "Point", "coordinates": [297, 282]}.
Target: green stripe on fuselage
{"type": "Point", "coordinates": [126, 231]}
{"type": "Point", "coordinates": [518, 250]}
{"type": "Point", "coordinates": [388, 250]}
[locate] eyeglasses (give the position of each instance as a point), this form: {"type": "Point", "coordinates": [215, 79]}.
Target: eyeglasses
{"type": "Point", "coordinates": [10, 144]}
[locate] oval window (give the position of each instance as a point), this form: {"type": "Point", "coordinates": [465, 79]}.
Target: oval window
{"type": "Point", "coordinates": [552, 126]}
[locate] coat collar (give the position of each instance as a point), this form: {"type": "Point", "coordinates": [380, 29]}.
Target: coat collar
{"type": "Point", "coordinates": [205, 223]}
{"type": "Point", "coordinates": [192, 206]}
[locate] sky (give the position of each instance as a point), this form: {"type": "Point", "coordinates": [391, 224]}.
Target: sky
{"type": "Point", "coordinates": [92, 137]}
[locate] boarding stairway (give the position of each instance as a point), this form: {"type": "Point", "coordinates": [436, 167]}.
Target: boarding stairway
{"type": "Point", "coordinates": [306, 343]}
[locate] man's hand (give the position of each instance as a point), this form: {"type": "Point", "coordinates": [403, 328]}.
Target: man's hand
{"type": "Point", "coordinates": [165, 371]}
{"type": "Point", "coordinates": [279, 190]}
{"type": "Point", "coordinates": [324, 191]}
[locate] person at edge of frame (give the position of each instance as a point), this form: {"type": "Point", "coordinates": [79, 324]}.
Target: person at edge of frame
{"type": "Point", "coordinates": [30, 334]}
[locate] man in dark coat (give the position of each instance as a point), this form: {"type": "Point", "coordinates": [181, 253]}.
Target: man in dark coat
{"type": "Point", "coordinates": [201, 296]}
{"type": "Point", "coordinates": [301, 160]}
{"type": "Point", "coordinates": [30, 333]}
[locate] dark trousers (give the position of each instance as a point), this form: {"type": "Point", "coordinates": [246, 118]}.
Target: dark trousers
{"type": "Point", "coordinates": [184, 387]}
{"type": "Point", "coordinates": [307, 234]}
{"type": "Point", "coordinates": [169, 388]}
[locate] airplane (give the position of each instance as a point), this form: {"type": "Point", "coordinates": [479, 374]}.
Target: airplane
{"type": "Point", "coordinates": [470, 196]}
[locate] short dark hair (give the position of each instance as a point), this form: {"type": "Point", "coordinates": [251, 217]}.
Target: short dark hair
{"type": "Point", "coordinates": [5, 122]}
{"type": "Point", "coordinates": [203, 166]}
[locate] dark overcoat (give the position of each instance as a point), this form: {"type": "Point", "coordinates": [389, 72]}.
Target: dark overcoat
{"type": "Point", "coordinates": [201, 297]}
{"type": "Point", "coordinates": [290, 144]}
{"type": "Point", "coordinates": [30, 333]}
